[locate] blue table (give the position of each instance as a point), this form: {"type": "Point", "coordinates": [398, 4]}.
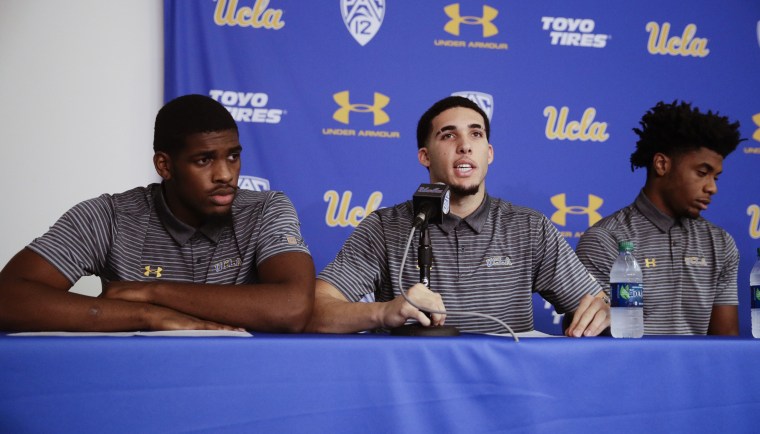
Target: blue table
{"type": "Point", "coordinates": [371, 383]}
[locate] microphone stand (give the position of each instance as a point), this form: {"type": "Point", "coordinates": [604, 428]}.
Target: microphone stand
{"type": "Point", "coordinates": [425, 263]}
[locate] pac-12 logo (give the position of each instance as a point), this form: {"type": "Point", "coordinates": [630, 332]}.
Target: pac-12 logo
{"type": "Point", "coordinates": [483, 100]}
{"type": "Point", "coordinates": [363, 18]}
{"type": "Point", "coordinates": [253, 183]}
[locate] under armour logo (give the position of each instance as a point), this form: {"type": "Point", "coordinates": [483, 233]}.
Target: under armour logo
{"type": "Point", "coordinates": [489, 13]}
{"type": "Point", "coordinates": [650, 262]}
{"type": "Point", "coordinates": [756, 120]}
{"type": "Point", "coordinates": [560, 216]}
{"type": "Point", "coordinates": [149, 271]}
{"type": "Point", "coordinates": [380, 102]}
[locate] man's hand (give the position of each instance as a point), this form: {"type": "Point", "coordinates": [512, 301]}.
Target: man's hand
{"type": "Point", "coordinates": [397, 311]}
{"type": "Point", "coordinates": [168, 319]}
{"type": "Point", "coordinates": [128, 291]}
{"type": "Point", "coordinates": [591, 317]}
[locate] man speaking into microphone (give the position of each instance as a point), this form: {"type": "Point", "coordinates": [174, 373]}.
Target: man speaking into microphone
{"type": "Point", "coordinates": [489, 255]}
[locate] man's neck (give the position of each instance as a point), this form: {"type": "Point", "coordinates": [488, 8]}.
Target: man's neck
{"type": "Point", "coordinates": [463, 206]}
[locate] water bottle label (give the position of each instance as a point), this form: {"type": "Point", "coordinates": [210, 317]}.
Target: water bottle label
{"type": "Point", "coordinates": [626, 295]}
{"type": "Point", "coordinates": [755, 296]}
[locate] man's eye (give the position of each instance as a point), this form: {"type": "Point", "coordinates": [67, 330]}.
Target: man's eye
{"type": "Point", "coordinates": [202, 161]}
{"type": "Point", "coordinates": [234, 157]}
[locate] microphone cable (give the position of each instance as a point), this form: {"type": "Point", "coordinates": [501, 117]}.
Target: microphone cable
{"type": "Point", "coordinates": [453, 313]}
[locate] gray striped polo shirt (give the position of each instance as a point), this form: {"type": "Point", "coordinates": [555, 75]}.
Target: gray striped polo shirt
{"type": "Point", "coordinates": [490, 262]}
{"type": "Point", "coordinates": [689, 265]}
{"type": "Point", "coordinates": [132, 236]}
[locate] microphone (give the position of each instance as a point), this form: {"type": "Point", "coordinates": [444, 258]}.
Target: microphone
{"type": "Point", "coordinates": [430, 203]}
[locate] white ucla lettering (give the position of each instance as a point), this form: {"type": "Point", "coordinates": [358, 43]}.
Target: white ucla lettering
{"type": "Point", "coordinates": [338, 213]}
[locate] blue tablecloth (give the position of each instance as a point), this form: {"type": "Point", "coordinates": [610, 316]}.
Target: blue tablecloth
{"type": "Point", "coordinates": [371, 383]}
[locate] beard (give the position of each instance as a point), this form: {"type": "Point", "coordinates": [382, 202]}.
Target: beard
{"type": "Point", "coordinates": [465, 191]}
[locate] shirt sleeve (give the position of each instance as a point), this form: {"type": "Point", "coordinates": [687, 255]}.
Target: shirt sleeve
{"type": "Point", "coordinates": [726, 286]}
{"type": "Point", "coordinates": [597, 250]}
{"type": "Point", "coordinates": [79, 242]}
{"type": "Point", "coordinates": [358, 268]}
{"type": "Point", "coordinates": [559, 277]}
{"type": "Point", "coordinates": [280, 229]}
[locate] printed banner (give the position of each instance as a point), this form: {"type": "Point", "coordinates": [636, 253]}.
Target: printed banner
{"type": "Point", "coordinates": [327, 95]}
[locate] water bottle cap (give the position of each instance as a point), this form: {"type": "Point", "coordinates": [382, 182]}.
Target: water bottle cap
{"type": "Point", "coordinates": [625, 246]}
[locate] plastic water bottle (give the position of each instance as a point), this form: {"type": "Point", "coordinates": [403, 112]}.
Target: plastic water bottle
{"type": "Point", "coordinates": [626, 294]}
{"type": "Point", "coordinates": [754, 284]}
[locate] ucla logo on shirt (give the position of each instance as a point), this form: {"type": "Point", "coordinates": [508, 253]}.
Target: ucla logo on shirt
{"type": "Point", "coordinates": [362, 18]}
{"type": "Point", "coordinates": [591, 210]}
{"type": "Point", "coordinates": [249, 107]}
{"type": "Point", "coordinates": [253, 183]}
{"type": "Point", "coordinates": [229, 13]}
{"type": "Point", "coordinates": [574, 32]}
{"type": "Point", "coordinates": [352, 110]}
{"type": "Point", "coordinates": [227, 264]}
{"type": "Point", "coordinates": [150, 271]}
{"type": "Point", "coordinates": [457, 21]}
{"type": "Point", "coordinates": [340, 213]}
{"type": "Point", "coordinates": [587, 129]}
{"type": "Point", "coordinates": [687, 44]}
{"type": "Point", "coordinates": [496, 261]}
{"type": "Point", "coordinates": [482, 99]}
{"type": "Point", "coordinates": [695, 261]}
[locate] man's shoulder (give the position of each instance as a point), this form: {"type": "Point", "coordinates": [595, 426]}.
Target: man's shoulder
{"type": "Point", "coordinates": [505, 209]}
{"type": "Point", "coordinates": [251, 198]}
{"type": "Point", "coordinates": [134, 201]}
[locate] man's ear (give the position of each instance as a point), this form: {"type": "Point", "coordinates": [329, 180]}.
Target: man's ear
{"type": "Point", "coordinates": [163, 163]}
{"type": "Point", "coordinates": [423, 157]}
{"type": "Point", "coordinates": [661, 164]}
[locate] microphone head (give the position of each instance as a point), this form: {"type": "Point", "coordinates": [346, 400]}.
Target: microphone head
{"type": "Point", "coordinates": [430, 203]}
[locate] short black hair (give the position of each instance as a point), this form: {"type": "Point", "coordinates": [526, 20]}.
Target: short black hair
{"type": "Point", "coordinates": [426, 121]}
{"type": "Point", "coordinates": [186, 115]}
{"type": "Point", "coordinates": [676, 128]}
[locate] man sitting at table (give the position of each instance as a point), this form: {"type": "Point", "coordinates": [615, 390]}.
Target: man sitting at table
{"type": "Point", "coordinates": [192, 252]}
{"type": "Point", "coordinates": [689, 264]}
{"type": "Point", "coordinates": [490, 254]}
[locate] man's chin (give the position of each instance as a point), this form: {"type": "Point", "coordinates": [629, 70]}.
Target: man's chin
{"type": "Point", "coordinates": [464, 191]}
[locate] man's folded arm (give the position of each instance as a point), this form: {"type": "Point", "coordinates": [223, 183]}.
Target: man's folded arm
{"type": "Point", "coordinates": [34, 296]}
{"type": "Point", "coordinates": [282, 301]}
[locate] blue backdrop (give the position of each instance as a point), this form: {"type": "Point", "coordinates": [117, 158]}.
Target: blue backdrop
{"type": "Point", "coordinates": [327, 95]}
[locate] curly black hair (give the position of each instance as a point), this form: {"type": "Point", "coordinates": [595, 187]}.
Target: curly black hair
{"type": "Point", "coordinates": [675, 128]}
{"type": "Point", "coordinates": [186, 115]}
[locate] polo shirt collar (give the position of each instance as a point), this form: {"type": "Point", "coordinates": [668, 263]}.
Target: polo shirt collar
{"type": "Point", "coordinates": [645, 206]}
{"type": "Point", "coordinates": [179, 230]}
{"type": "Point", "coordinates": [475, 221]}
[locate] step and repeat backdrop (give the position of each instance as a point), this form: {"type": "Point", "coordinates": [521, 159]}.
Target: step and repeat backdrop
{"type": "Point", "coordinates": [327, 95]}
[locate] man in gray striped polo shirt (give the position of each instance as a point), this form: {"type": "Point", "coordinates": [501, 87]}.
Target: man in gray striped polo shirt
{"type": "Point", "coordinates": [689, 264]}
{"type": "Point", "coordinates": [489, 255]}
{"type": "Point", "coordinates": [193, 252]}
